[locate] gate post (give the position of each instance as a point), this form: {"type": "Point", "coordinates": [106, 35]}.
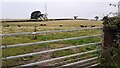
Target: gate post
{"type": "Point", "coordinates": [107, 45]}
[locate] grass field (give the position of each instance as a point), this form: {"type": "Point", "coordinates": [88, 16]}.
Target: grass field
{"type": "Point", "coordinates": [50, 25]}
{"type": "Point", "coordinates": [13, 27]}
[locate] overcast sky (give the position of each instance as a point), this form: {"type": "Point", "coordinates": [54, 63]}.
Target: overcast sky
{"type": "Point", "coordinates": [57, 9]}
{"type": "Point", "coordinates": [59, 0]}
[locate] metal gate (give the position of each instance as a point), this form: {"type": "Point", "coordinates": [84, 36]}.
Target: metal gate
{"type": "Point", "coordinates": [80, 59]}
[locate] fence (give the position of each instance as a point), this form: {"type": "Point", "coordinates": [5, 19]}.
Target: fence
{"type": "Point", "coordinates": [80, 62]}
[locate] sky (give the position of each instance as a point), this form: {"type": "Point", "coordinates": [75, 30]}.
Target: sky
{"type": "Point", "coordinates": [21, 9]}
{"type": "Point", "coordinates": [59, 0]}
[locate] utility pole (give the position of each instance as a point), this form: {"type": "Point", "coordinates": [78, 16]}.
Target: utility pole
{"type": "Point", "coordinates": [45, 8]}
{"type": "Point", "coordinates": [119, 8]}
{"type": "Point", "coordinates": [45, 14]}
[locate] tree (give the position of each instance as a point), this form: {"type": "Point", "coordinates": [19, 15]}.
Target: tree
{"type": "Point", "coordinates": [118, 6]}
{"type": "Point", "coordinates": [36, 15]}
{"type": "Point", "coordinates": [75, 17]}
{"type": "Point", "coordinates": [96, 18]}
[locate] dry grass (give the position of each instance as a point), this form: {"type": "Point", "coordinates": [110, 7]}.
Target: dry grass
{"type": "Point", "coordinates": [55, 23]}
{"type": "Point", "coordinates": [50, 25]}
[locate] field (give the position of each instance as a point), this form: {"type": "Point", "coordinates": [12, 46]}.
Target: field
{"type": "Point", "coordinates": [47, 25]}
{"type": "Point", "coordinates": [13, 27]}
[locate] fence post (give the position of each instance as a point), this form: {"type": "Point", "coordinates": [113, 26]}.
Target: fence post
{"type": "Point", "coordinates": [107, 45]}
{"type": "Point", "coordinates": [34, 35]}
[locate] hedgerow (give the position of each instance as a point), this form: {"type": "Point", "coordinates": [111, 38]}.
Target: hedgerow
{"type": "Point", "coordinates": [113, 23]}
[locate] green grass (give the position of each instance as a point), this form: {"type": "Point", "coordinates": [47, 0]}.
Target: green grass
{"type": "Point", "coordinates": [51, 25]}
{"type": "Point", "coordinates": [37, 48]}
{"type": "Point", "coordinates": [29, 49]}
{"type": "Point", "coordinates": [58, 35]}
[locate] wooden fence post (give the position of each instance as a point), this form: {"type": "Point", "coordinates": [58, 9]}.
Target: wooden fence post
{"type": "Point", "coordinates": [107, 45]}
{"type": "Point", "coordinates": [34, 35]}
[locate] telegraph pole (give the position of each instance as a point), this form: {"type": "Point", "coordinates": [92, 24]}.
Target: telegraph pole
{"type": "Point", "coordinates": [45, 8]}
{"type": "Point", "coordinates": [119, 8]}
{"type": "Point", "coordinates": [45, 14]}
